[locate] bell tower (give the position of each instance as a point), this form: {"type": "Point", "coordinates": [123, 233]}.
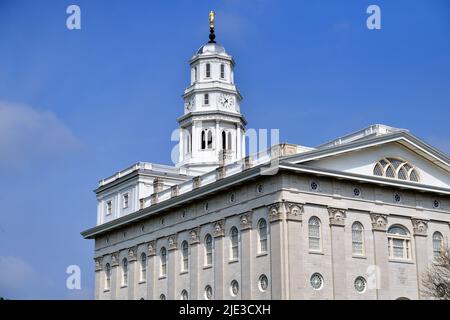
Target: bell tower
{"type": "Point", "coordinates": [212, 127]}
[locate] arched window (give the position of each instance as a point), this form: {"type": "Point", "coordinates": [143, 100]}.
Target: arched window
{"type": "Point", "coordinates": [124, 272]}
{"type": "Point", "coordinates": [224, 140]}
{"type": "Point", "coordinates": [184, 256]}
{"type": "Point", "coordinates": [184, 295]}
{"type": "Point", "coordinates": [222, 71]}
{"type": "Point", "coordinates": [143, 266]}
{"type": "Point", "coordinates": [395, 169]}
{"type": "Point", "coordinates": [209, 141]}
{"type": "Point", "coordinates": [208, 250]}
{"type": "Point", "coordinates": [203, 142]}
{"type": "Point", "coordinates": [208, 70]}
{"type": "Point", "coordinates": [399, 243]}
{"type": "Point", "coordinates": [229, 141]}
{"type": "Point", "coordinates": [438, 243]}
{"type": "Point", "coordinates": [195, 74]}
{"type": "Point", "coordinates": [163, 260]}
{"type": "Point", "coordinates": [357, 238]}
{"type": "Point", "coordinates": [206, 99]}
{"type": "Point", "coordinates": [314, 233]}
{"type": "Point", "coordinates": [188, 143]}
{"type": "Point", "coordinates": [107, 276]}
{"type": "Point", "coordinates": [234, 236]}
{"type": "Point", "coordinates": [262, 233]}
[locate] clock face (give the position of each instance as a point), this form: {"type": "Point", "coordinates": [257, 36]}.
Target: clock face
{"type": "Point", "coordinates": [226, 101]}
{"type": "Point", "coordinates": [189, 104]}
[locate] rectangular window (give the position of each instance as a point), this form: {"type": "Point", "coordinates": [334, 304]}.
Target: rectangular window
{"type": "Point", "coordinates": [108, 207]}
{"type": "Point", "coordinates": [208, 71]}
{"type": "Point", "coordinates": [125, 200]}
{"type": "Point", "coordinates": [206, 99]}
{"type": "Point", "coordinates": [222, 71]}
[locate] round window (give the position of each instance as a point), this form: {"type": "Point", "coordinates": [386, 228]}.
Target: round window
{"type": "Point", "coordinates": [208, 293]}
{"type": "Point", "coordinates": [314, 186]}
{"type": "Point", "coordinates": [234, 288]}
{"type": "Point", "coordinates": [436, 204]}
{"type": "Point", "coordinates": [260, 188]}
{"type": "Point", "coordinates": [360, 284]}
{"type": "Point", "coordinates": [232, 197]}
{"type": "Point", "coordinates": [316, 281]}
{"type": "Point", "coordinates": [357, 192]}
{"type": "Point", "coordinates": [263, 282]}
{"type": "Point", "coordinates": [397, 198]}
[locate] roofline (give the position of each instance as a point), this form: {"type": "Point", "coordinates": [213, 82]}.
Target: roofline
{"type": "Point", "coordinates": [247, 175]}
{"type": "Point", "coordinates": [202, 113]}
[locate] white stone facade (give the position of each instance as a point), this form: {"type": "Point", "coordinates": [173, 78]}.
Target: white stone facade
{"type": "Point", "coordinates": [312, 223]}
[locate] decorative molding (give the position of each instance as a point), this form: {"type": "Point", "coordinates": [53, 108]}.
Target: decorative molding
{"type": "Point", "coordinates": [132, 254]}
{"type": "Point", "coordinates": [379, 221]}
{"type": "Point", "coordinates": [337, 216]}
{"type": "Point", "coordinates": [246, 220]}
{"type": "Point", "coordinates": [194, 236]}
{"type": "Point", "coordinates": [153, 199]}
{"type": "Point", "coordinates": [275, 213]}
{"type": "Point", "coordinates": [172, 242]}
{"type": "Point", "coordinates": [294, 211]}
{"type": "Point", "coordinates": [115, 259]}
{"type": "Point", "coordinates": [174, 190]}
{"type": "Point", "coordinates": [219, 228]}
{"type": "Point", "coordinates": [247, 163]}
{"type": "Point", "coordinates": [98, 264]}
{"type": "Point", "coordinates": [420, 227]}
{"type": "Point", "coordinates": [158, 185]}
{"type": "Point", "coordinates": [196, 182]}
{"type": "Point", "coordinates": [151, 248]}
{"type": "Point", "coordinates": [220, 172]}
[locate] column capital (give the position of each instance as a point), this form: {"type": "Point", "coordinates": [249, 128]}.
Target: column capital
{"type": "Point", "coordinates": [115, 259]}
{"type": "Point", "coordinates": [132, 254]}
{"type": "Point", "coordinates": [294, 211]}
{"type": "Point", "coordinates": [98, 264]}
{"type": "Point", "coordinates": [172, 241]}
{"type": "Point", "coordinates": [219, 230]}
{"type": "Point", "coordinates": [194, 236]}
{"type": "Point", "coordinates": [337, 216]}
{"type": "Point", "coordinates": [246, 220]}
{"type": "Point", "coordinates": [379, 221]}
{"type": "Point", "coordinates": [151, 248]}
{"type": "Point", "coordinates": [275, 212]}
{"type": "Point", "coordinates": [420, 227]}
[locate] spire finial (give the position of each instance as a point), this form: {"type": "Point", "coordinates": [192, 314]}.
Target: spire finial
{"type": "Point", "coordinates": [212, 36]}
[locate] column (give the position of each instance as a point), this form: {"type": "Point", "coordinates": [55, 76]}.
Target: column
{"type": "Point", "coordinates": [151, 270]}
{"type": "Point", "coordinates": [195, 139]}
{"type": "Point", "coordinates": [277, 245]}
{"type": "Point", "coordinates": [238, 142]}
{"type": "Point", "coordinates": [115, 284]}
{"type": "Point", "coordinates": [171, 267]}
{"type": "Point", "coordinates": [217, 143]}
{"type": "Point", "coordinates": [194, 246]}
{"type": "Point", "coordinates": [337, 224]}
{"type": "Point", "coordinates": [421, 250]}
{"type": "Point", "coordinates": [246, 255]}
{"type": "Point", "coordinates": [181, 144]}
{"type": "Point", "coordinates": [132, 265]}
{"type": "Point", "coordinates": [98, 277]}
{"type": "Point", "coordinates": [381, 255]}
{"type": "Point", "coordinates": [294, 213]}
{"type": "Point", "coordinates": [218, 262]}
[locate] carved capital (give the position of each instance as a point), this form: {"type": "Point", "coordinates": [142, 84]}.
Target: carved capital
{"type": "Point", "coordinates": [420, 227]}
{"type": "Point", "coordinates": [379, 221]}
{"type": "Point", "coordinates": [151, 248]}
{"type": "Point", "coordinates": [246, 221]}
{"type": "Point", "coordinates": [98, 264]}
{"type": "Point", "coordinates": [194, 236]}
{"type": "Point", "coordinates": [294, 211]}
{"type": "Point", "coordinates": [275, 212]}
{"type": "Point", "coordinates": [115, 259]}
{"type": "Point", "coordinates": [172, 242]}
{"type": "Point", "coordinates": [219, 228]}
{"type": "Point", "coordinates": [337, 216]}
{"type": "Point", "coordinates": [132, 254]}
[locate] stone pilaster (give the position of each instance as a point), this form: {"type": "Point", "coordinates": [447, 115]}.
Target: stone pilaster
{"type": "Point", "coordinates": [294, 212]}
{"type": "Point", "coordinates": [194, 241]}
{"type": "Point", "coordinates": [132, 265]}
{"type": "Point", "coordinates": [171, 267]}
{"type": "Point", "coordinates": [246, 255]}
{"type": "Point", "coordinates": [218, 234]}
{"type": "Point", "coordinates": [115, 284]}
{"type": "Point", "coordinates": [98, 277]}
{"type": "Point", "coordinates": [151, 270]}
{"type": "Point", "coordinates": [420, 228]}
{"type": "Point", "coordinates": [381, 254]}
{"type": "Point", "coordinates": [338, 254]}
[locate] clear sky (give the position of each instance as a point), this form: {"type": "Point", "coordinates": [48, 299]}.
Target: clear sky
{"type": "Point", "coordinates": [79, 105]}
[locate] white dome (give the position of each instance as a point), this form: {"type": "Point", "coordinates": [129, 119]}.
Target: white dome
{"type": "Point", "coordinates": [211, 48]}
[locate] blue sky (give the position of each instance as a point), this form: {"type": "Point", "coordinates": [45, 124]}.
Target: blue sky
{"type": "Point", "coordinates": [76, 106]}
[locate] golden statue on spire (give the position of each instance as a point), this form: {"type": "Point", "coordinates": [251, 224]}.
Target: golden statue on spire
{"type": "Point", "coordinates": [211, 19]}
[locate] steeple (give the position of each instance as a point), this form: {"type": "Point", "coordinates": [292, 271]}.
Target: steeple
{"type": "Point", "coordinates": [212, 127]}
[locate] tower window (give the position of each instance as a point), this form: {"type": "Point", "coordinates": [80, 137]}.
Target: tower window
{"type": "Point", "coordinates": [208, 71]}
{"type": "Point", "coordinates": [195, 74]}
{"type": "Point", "coordinates": [222, 71]}
{"type": "Point", "coordinates": [108, 207]}
{"type": "Point", "coordinates": [125, 200]}
{"type": "Point", "coordinates": [206, 139]}
{"type": "Point", "coordinates": [224, 140]}
{"type": "Point", "coordinates": [209, 145]}
{"type": "Point", "coordinates": [229, 141]}
{"type": "Point", "coordinates": [206, 99]}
